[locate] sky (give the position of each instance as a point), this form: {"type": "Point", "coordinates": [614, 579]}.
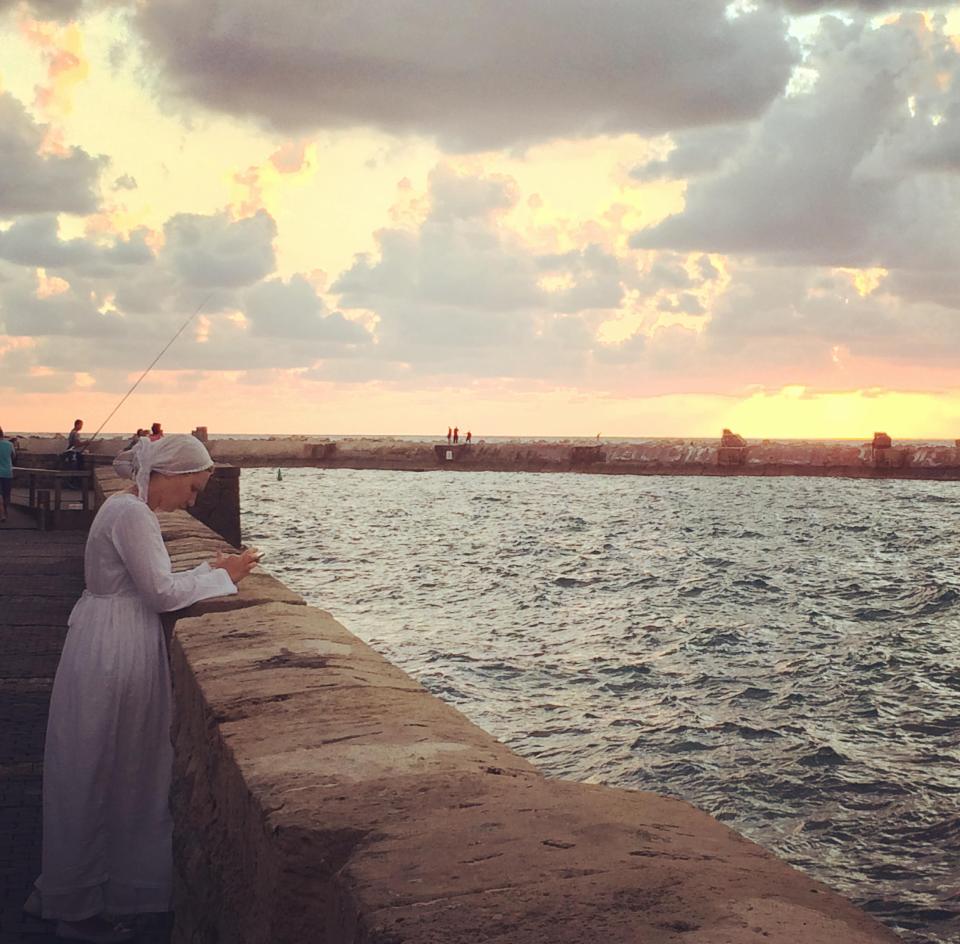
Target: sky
{"type": "Point", "coordinates": [521, 217]}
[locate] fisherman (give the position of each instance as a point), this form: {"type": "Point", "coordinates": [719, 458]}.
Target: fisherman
{"type": "Point", "coordinates": [73, 457]}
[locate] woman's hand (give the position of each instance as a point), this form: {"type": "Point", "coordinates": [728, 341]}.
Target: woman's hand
{"type": "Point", "coordinates": [237, 566]}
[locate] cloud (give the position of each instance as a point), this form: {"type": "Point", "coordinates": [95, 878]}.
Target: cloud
{"type": "Point", "coordinates": [792, 318]}
{"type": "Point", "coordinates": [216, 251]}
{"type": "Point", "coordinates": [294, 310]}
{"type": "Point", "coordinates": [46, 9]}
{"type": "Point", "coordinates": [70, 311]}
{"type": "Point", "coordinates": [802, 7]}
{"type": "Point", "coordinates": [119, 303]}
{"type": "Point", "coordinates": [835, 175]}
{"type": "Point", "coordinates": [35, 241]}
{"type": "Point", "coordinates": [592, 278]}
{"type": "Point", "coordinates": [474, 76]}
{"type": "Point", "coordinates": [464, 292]}
{"type": "Point", "coordinates": [695, 152]}
{"type": "Point", "coordinates": [34, 182]}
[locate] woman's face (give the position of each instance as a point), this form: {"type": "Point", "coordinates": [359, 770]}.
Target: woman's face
{"type": "Point", "coordinates": [173, 492]}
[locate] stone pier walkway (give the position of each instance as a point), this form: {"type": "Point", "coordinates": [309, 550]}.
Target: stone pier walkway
{"type": "Point", "coordinates": [41, 576]}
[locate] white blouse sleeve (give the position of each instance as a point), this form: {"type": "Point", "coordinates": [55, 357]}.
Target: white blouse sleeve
{"type": "Point", "coordinates": [137, 538]}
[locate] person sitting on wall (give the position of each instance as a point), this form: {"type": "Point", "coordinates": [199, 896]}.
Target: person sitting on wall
{"type": "Point", "coordinates": [73, 457]}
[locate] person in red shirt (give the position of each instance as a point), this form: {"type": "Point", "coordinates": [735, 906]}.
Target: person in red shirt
{"type": "Point", "coordinates": [156, 432]}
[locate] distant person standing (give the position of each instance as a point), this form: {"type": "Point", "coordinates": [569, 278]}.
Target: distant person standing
{"type": "Point", "coordinates": [7, 455]}
{"type": "Point", "coordinates": [456, 434]}
{"type": "Point", "coordinates": [156, 432]}
{"type": "Point", "coordinates": [449, 435]}
{"type": "Point", "coordinates": [469, 436]}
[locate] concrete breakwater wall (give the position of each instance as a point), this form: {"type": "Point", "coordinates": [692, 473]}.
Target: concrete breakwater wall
{"type": "Point", "coordinates": [644, 457]}
{"type": "Point", "coordinates": [322, 795]}
{"type": "Point", "coordinates": [641, 458]}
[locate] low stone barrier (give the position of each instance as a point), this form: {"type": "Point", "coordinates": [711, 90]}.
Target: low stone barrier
{"type": "Point", "coordinates": [322, 795]}
{"type": "Point", "coordinates": [643, 457]}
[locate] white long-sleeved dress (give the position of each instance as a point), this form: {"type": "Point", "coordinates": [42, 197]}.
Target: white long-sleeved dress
{"type": "Point", "coordinates": [108, 756]}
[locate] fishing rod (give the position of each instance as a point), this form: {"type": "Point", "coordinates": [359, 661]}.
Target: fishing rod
{"type": "Point", "coordinates": [150, 367]}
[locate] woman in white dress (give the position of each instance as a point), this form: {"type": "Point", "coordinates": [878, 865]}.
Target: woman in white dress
{"type": "Point", "coordinates": [108, 756]}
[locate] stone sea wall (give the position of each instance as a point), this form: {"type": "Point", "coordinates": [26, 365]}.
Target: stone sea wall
{"type": "Point", "coordinates": [322, 795]}
{"type": "Point", "coordinates": [650, 457]}
{"type": "Point", "coordinates": [643, 457]}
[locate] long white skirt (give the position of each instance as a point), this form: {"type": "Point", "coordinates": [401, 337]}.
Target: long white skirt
{"type": "Point", "coordinates": [107, 829]}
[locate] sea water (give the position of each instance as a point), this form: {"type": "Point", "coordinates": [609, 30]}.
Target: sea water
{"type": "Point", "coordinates": [782, 653]}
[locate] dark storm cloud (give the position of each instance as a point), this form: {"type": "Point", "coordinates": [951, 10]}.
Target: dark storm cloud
{"type": "Point", "coordinates": [34, 183]}
{"type": "Point", "coordinates": [473, 75]}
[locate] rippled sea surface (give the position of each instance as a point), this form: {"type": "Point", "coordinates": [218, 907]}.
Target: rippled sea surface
{"type": "Point", "coordinates": [783, 653]}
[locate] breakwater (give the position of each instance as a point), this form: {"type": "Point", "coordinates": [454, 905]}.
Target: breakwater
{"type": "Point", "coordinates": [322, 794]}
{"type": "Point", "coordinates": [641, 458]}
{"type": "Point", "coordinates": [936, 461]}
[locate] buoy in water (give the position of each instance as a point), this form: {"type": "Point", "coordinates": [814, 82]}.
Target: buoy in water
{"type": "Point", "coordinates": [279, 475]}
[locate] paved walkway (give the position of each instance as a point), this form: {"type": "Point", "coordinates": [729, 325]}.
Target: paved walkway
{"type": "Point", "coordinates": [41, 576]}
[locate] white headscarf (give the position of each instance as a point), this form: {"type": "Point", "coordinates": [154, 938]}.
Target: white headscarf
{"type": "Point", "coordinates": [178, 454]}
